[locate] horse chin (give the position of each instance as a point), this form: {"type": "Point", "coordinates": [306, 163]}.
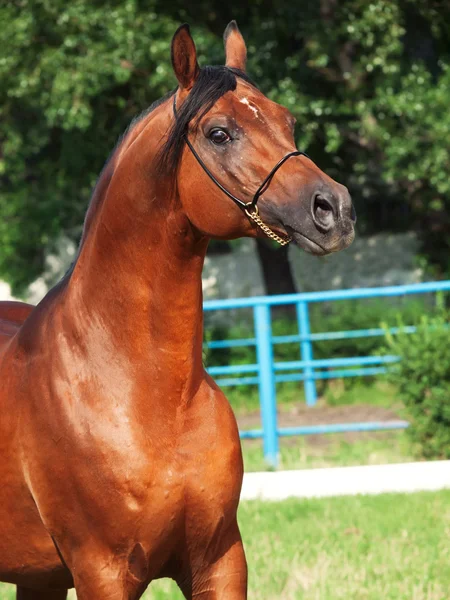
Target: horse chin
{"type": "Point", "coordinates": [316, 249]}
{"type": "Point", "coordinates": [305, 243]}
{"type": "Point", "coordinates": [308, 245]}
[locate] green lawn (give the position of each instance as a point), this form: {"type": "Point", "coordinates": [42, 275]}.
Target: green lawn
{"type": "Point", "coordinates": [338, 392]}
{"type": "Point", "coordinates": [333, 450]}
{"type": "Point", "coordinates": [394, 547]}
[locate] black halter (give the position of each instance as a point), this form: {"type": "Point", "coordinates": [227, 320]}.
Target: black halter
{"type": "Point", "coordinates": [246, 206]}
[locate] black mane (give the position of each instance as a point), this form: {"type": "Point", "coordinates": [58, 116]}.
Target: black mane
{"type": "Point", "coordinates": [211, 84]}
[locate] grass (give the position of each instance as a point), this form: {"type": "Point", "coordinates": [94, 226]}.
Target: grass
{"type": "Point", "coordinates": [339, 392]}
{"type": "Point", "coordinates": [376, 392]}
{"type": "Point", "coordinates": [333, 450]}
{"type": "Point", "coordinates": [393, 546]}
{"type": "Point", "coordinates": [245, 398]}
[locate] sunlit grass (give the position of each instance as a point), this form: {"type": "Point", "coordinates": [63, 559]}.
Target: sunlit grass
{"type": "Point", "coordinates": [340, 392]}
{"type": "Point", "coordinates": [332, 450]}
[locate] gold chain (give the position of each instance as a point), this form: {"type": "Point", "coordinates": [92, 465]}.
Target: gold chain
{"type": "Point", "coordinates": [254, 216]}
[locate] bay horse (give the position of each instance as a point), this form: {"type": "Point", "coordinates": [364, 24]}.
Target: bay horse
{"type": "Point", "coordinates": [120, 459]}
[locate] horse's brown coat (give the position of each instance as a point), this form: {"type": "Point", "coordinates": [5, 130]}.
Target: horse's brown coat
{"type": "Point", "coordinates": [120, 457]}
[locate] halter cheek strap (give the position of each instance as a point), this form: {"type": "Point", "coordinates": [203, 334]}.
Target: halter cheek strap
{"type": "Point", "coordinates": [250, 208]}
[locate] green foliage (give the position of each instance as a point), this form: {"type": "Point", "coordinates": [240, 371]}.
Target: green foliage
{"type": "Point", "coordinates": [349, 315]}
{"type": "Point", "coordinates": [367, 81]}
{"type": "Point", "coordinates": [423, 381]}
{"type": "Point", "coordinates": [72, 76]}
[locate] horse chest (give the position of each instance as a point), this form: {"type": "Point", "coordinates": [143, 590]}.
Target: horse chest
{"type": "Point", "coordinates": [210, 456]}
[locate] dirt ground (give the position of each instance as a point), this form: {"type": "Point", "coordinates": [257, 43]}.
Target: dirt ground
{"type": "Point", "coordinates": [300, 414]}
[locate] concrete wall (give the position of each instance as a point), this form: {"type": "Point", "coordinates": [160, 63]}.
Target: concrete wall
{"type": "Point", "coordinates": [383, 259]}
{"type": "Point", "coordinates": [5, 291]}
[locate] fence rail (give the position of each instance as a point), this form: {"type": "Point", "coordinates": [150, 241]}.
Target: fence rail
{"type": "Point", "coordinates": [266, 373]}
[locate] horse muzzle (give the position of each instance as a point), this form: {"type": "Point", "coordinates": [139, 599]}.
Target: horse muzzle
{"type": "Point", "coordinates": [326, 225]}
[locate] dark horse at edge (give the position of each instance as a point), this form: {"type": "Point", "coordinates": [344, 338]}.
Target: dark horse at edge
{"type": "Point", "coordinates": [120, 459]}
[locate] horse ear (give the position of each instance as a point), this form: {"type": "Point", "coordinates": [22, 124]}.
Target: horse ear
{"type": "Point", "coordinates": [184, 57]}
{"type": "Point", "coordinates": [235, 48]}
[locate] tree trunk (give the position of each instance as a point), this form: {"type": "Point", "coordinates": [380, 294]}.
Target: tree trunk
{"type": "Point", "coordinates": [277, 273]}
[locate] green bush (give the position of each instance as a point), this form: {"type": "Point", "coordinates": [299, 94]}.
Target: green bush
{"type": "Point", "coordinates": [423, 380]}
{"type": "Point", "coordinates": [348, 315]}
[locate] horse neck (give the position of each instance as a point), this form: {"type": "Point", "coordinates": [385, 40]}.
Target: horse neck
{"type": "Point", "coordinates": [137, 279]}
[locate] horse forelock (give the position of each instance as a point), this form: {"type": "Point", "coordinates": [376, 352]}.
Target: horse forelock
{"type": "Point", "coordinates": [212, 83]}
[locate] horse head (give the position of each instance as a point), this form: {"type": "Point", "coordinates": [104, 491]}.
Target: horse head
{"type": "Point", "coordinates": [238, 170]}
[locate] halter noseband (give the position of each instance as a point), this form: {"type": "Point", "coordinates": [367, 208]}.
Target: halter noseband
{"type": "Point", "coordinates": [250, 208]}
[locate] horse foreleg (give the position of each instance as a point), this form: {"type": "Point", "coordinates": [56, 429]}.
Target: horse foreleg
{"type": "Point", "coordinates": [225, 575]}
{"type": "Point", "coordinates": [28, 594]}
{"type": "Point", "coordinates": [105, 577]}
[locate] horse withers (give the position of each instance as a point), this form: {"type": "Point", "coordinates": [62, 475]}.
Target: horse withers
{"type": "Point", "coordinates": [120, 459]}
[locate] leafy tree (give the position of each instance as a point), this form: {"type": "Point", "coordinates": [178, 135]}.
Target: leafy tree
{"type": "Point", "coordinates": [367, 81]}
{"type": "Point", "coordinates": [72, 76]}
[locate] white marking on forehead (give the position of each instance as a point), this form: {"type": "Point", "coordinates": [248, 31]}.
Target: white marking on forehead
{"type": "Point", "coordinates": [251, 107]}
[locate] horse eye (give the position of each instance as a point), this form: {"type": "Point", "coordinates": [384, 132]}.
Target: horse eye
{"type": "Point", "coordinates": [219, 136]}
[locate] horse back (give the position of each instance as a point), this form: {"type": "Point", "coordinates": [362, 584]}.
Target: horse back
{"type": "Point", "coordinates": [12, 315]}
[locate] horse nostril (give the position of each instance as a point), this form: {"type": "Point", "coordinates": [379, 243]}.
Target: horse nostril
{"type": "Point", "coordinates": [353, 214]}
{"type": "Point", "coordinates": [322, 207]}
{"type": "Point", "coordinates": [323, 212]}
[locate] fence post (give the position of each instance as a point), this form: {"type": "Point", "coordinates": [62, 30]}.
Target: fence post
{"type": "Point", "coordinates": [267, 392]}
{"type": "Point", "coordinates": [306, 352]}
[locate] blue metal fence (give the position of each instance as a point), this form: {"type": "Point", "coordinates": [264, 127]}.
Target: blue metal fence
{"type": "Point", "coordinates": [266, 372]}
